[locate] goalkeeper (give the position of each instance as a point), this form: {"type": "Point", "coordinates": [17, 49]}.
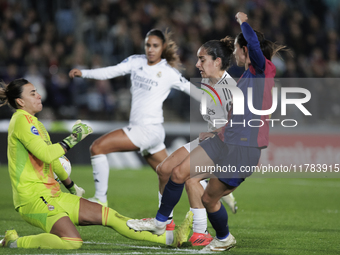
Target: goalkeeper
{"type": "Point", "coordinates": [32, 158]}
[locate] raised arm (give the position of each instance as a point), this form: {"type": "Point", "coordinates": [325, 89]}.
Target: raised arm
{"type": "Point", "coordinates": [256, 56]}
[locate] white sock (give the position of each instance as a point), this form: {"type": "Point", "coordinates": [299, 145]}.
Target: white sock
{"type": "Point", "coordinates": [169, 235]}
{"type": "Point", "coordinates": [204, 184]}
{"type": "Point", "coordinates": [200, 220]}
{"type": "Point", "coordinates": [160, 224]}
{"type": "Point", "coordinates": [14, 244]}
{"type": "Point", "coordinates": [159, 205]}
{"type": "Point", "coordinates": [224, 239]}
{"type": "Point", "coordinates": [100, 166]}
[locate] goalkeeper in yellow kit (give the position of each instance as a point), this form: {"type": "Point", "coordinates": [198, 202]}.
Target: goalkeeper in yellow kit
{"type": "Point", "coordinates": [32, 159]}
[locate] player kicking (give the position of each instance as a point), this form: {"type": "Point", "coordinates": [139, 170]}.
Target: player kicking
{"type": "Point", "coordinates": [32, 159]}
{"type": "Point", "coordinates": [233, 145]}
{"type": "Point", "coordinates": [152, 75]}
{"type": "Point", "coordinates": [214, 58]}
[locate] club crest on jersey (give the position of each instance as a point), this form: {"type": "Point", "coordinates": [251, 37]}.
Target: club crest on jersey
{"type": "Point", "coordinates": [159, 74]}
{"type": "Point", "coordinates": [34, 130]}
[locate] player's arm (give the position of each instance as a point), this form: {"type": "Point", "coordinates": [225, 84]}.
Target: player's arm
{"type": "Point", "coordinates": [65, 179]}
{"type": "Point", "coordinates": [73, 188]}
{"type": "Point", "coordinates": [30, 138]}
{"type": "Point", "coordinates": [105, 73]}
{"type": "Point", "coordinates": [256, 56]}
{"type": "Point", "coordinates": [204, 135]}
{"type": "Point", "coordinates": [59, 170]}
{"type": "Point", "coordinates": [182, 84]}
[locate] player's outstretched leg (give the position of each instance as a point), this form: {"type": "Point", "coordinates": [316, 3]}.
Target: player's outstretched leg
{"type": "Point", "coordinates": [116, 221]}
{"type": "Point", "coordinates": [149, 226]}
{"type": "Point", "coordinates": [10, 239]}
{"type": "Point", "coordinates": [41, 241]}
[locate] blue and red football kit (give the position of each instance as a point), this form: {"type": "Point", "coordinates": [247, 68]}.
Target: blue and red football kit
{"type": "Point", "coordinates": [260, 77]}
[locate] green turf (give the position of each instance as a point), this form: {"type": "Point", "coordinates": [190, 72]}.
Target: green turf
{"type": "Point", "coordinates": [276, 216]}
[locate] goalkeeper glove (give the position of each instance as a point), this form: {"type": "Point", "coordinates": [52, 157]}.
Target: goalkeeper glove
{"type": "Point", "coordinates": [79, 132]}
{"type": "Point", "coordinates": [75, 190]}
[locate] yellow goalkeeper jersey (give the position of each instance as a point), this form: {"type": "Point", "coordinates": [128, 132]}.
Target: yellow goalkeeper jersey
{"type": "Point", "coordinates": [31, 159]}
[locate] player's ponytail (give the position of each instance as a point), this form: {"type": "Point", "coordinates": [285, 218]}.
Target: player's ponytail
{"type": "Point", "coordinates": [268, 48]}
{"type": "Point", "coordinates": [222, 49]}
{"type": "Point", "coordinates": [3, 96]}
{"type": "Point", "coordinates": [12, 91]}
{"type": "Point", "coordinates": [170, 51]}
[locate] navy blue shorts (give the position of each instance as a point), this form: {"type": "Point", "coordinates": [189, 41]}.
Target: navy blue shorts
{"type": "Point", "coordinates": [232, 162]}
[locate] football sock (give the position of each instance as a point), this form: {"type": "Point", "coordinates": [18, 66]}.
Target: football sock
{"type": "Point", "coordinates": [171, 195]}
{"type": "Point", "coordinates": [219, 221]}
{"type": "Point", "coordinates": [200, 220]}
{"type": "Point", "coordinates": [204, 183]}
{"type": "Point", "coordinates": [159, 205]}
{"type": "Point", "coordinates": [48, 241]}
{"type": "Point", "coordinates": [114, 220]}
{"type": "Point", "coordinates": [101, 170]}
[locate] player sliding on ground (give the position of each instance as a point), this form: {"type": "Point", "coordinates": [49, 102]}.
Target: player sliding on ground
{"type": "Point", "coordinates": [234, 145]}
{"type": "Point", "coordinates": [32, 158]}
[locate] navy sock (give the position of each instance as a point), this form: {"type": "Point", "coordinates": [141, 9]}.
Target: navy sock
{"type": "Point", "coordinates": [219, 221]}
{"type": "Point", "coordinates": [171, 195]}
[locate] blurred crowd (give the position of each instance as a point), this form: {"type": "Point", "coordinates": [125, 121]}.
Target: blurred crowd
{"type": "Point", "coordinates": [43, 40]}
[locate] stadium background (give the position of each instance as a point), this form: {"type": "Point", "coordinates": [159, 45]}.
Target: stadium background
{"type": "Point", "coordinates": [43, 40]}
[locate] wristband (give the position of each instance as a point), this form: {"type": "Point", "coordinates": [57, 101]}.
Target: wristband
{"type": "Point", "coordinates": [214, 133]}
{"type": "Point", "coordinates": [70, 185]}
{"type": "Point", "coordinates": [64, 145]}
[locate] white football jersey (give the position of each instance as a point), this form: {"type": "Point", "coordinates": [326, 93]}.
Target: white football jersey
{"type": "Point", "coordinates": [150, 86]}
{"type": "Point", "coordinates": [217, 110]}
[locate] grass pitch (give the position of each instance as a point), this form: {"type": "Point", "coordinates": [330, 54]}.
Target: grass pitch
{"type": "Point", "coordinates": [276, 216]}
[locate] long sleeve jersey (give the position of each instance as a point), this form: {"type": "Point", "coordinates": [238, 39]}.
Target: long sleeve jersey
{"type": "Point", "coordinates": [150, 86]}
{"type": "Point", "coordinates": [260, 77]}
{"type": "Point", "coordinates": [32, 158]}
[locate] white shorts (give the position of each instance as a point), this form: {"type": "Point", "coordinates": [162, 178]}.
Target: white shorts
{"type": "Point", "coordinates": [149, 138]}
{"type": "Point", "coordinates": [192, 145]}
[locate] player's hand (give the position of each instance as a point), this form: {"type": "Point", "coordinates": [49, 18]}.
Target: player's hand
{"type": "Point", "coordinates": [75, 73]}
{"type": "Point", "coordinates": [79, 132]}
{"type": "Point", "coordinates": [79, 190]}
{"type": "Point", "coordinates": [75, 190]}
{"type": "Point", "coordinates": [205, 135]}
{"type": "Point", "coordinates": [241, 17]}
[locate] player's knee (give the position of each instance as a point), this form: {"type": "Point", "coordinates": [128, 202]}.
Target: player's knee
{"type": "Point", "coordinates": [95, 148]}
{"type": "Point", "coordinates": [191, 183]}
{"type": "Point", "coordinates": [178, 176]}
{"type": "Point", "coordinates": [206, 200]}
{"type": "Point", "coordinates": [162, 171]}
{"type": "Point", "coordinates": [70, 244]}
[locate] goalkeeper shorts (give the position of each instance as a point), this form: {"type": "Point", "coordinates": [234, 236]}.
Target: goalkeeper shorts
{"type": "Point", "coordinates": [43, 212]}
